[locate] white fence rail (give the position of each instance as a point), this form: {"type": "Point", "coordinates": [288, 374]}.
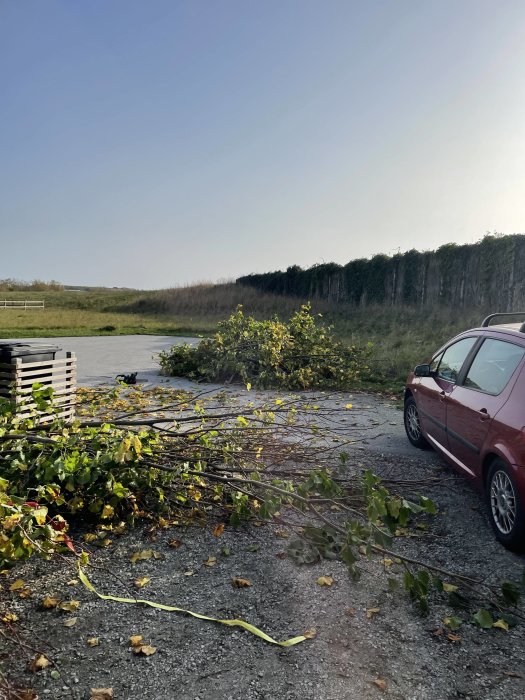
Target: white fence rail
{"type": "Point", "coordinates": [19, 304]}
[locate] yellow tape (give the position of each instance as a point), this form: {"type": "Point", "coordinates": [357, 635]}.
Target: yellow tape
{"type": "Point", "coordinates": [171, 608]}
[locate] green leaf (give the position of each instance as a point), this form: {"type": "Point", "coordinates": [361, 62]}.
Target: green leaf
{"type": "Point", "coordinates": [483, 619]}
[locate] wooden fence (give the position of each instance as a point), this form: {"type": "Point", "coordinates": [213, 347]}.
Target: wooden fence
{"type": "Point", "coordinates": [17, 379]}
{"type": "Point", "coordinates": [19, 304]}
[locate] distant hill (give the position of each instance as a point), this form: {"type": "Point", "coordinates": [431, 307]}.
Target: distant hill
{"type": "Point", "coordinates": [489, 274]}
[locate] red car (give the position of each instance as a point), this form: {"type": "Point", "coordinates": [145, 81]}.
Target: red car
{"type": "Point", "coordinates": [469, 404]}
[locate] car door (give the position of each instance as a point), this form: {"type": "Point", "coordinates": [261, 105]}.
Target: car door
{"type": "Point", "coordinates": [480, 394]}
{"type": "Point", "coordinates": [432, 392]}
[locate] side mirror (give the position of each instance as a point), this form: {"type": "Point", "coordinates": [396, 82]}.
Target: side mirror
{"type": "Point", "coordinates": [422, 371]}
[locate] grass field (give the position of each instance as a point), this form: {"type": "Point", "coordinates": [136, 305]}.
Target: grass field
{"type": "Point", "coordinates": [401, 337]}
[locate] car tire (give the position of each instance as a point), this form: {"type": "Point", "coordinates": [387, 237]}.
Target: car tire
{"type": "Point", "coordinates": [413, 424]}
{"type": "Point", "coordinates": [505, 507]}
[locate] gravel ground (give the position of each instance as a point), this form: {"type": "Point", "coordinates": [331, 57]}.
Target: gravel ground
{"type": "Point", "coordinates": [353, 648]}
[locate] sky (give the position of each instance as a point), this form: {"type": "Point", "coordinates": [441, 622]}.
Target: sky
{"type": "Point", "coordinates": [157, 143]}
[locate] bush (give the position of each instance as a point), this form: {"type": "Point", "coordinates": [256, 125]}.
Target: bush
{"type": "Point", "coordinates": [296, 355]}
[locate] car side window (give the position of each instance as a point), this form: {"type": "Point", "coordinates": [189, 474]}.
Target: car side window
{"type": "Point", "coordinates": [453, 358]}
{"type": "Point", "coordinates": [493, 366]}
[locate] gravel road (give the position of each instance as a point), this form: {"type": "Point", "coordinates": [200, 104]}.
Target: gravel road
{"type": "Point", "coordinates": [357, 653]}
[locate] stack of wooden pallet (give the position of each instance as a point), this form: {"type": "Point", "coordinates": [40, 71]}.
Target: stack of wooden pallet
{"type": "Point", "coordinates": [17, 378]}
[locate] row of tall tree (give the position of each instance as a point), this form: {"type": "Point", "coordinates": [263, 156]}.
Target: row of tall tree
{"type": "Point", "coordinates": [490, 274]}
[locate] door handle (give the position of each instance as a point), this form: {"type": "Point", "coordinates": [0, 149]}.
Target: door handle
{"type": "Point", "coordinates": [484, 414]}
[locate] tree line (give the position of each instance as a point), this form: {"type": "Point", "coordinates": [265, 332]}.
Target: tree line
{"type": "Point", "coordinates": [489, 274]}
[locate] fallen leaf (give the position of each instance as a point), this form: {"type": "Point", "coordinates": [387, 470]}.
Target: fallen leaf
{"type": "Point", "coordinates": [140, 582]}
{"type": "Point", "coordinates": [93, 641]}
{"type": "Point", "coordinates": [50, 602]}
{"type": "Point", "coordinates": [101, 694]}
{"type": "Point", "coordinates": [24, 593]}
{"type": "Point", "coordinates": [502, 625]}
{"type": "Point", "coordinates": [453, 637]}
{"type": "Point", "coordinates": [17, 585]}
{"type": "Point", "coordinates": [10, 617]}
{"type": "Point", "coordinates": [350, 612]}
{"type": "Point", "coordinates": [145, 649]}
{"type": "Point", "coordinates": [175, 543]}
{"type": "Point", "coordinates": [70, 622]}
{"type": "Point", "coordinates": [210, 561]}
{"type": "Point", "coordinates": [387, 562]}
{"type": "Point", "coordinates": [143, 555]}
{"type": "Point", "coordinates": [380, 683]}
{"type": "Point", "coordinates": [73, 582]}
{"type": "Point", "coordinates": [349, 405]}
{"type": "Point", "coordinates": [26, 694]}
{"type": "Point", "coordinates": [219, 529]}
{"type": "Point", "coordinates": [512, 674]}
{"type": "Point", "coordinates": [240, 582]}
{"type": "Point", "coordinates": [281, 533]}
{"type": "Point", "coordinates": [325, 581]}
{"type": "Point", "coordinates": [136, 639]}
{"type": "Point", "coordinates": [449, 588]}
{"type": "Point", "coordinates": [69, 605]}
{"type": "Point", "coordinates": [38, 663]}
{"type": "Point", "coordinates": [310, 634]}
{"type": "Point", "coordinates": [371, 612]}
{"type": "Point", "coordinates": [438, 632]}
{"type": "Point", "coordinates": [188, 573]}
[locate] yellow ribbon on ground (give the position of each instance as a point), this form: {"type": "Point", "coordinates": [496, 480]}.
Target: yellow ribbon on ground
{"type": "Point", "coordinates": [172, 608]}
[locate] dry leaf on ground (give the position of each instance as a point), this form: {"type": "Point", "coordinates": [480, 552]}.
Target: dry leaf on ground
{"type": "Point", "coordinates": [371, 612]}
{"type": "Point", "coordinates": [325, 581]}
{"type": "Point", "coordinates": [101, 694]}
{"type": "Point", "coordinates": [380, 683]}
{"type": "Point", "coordinates": [38, 663]}
{"type": "Point", "coordinates": [219, 529]}
{"type": "Point", "coordinates": [241, 582]}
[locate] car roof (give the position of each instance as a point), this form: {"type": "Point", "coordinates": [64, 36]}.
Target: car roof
{"type": "Point", "coordinates": [506, 328]}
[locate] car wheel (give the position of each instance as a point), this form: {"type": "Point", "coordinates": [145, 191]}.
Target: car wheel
{"type": "Point", "coordinates": [413, 425]}
{"type": "Point", "coordinates": [506, 510]}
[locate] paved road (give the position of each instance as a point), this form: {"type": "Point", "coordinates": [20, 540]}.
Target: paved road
{"type": "Point", "coordinates": [101, 358]}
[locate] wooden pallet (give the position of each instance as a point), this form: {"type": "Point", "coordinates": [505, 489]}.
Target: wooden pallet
{"type": "Point", "coordinates": [17, 379]}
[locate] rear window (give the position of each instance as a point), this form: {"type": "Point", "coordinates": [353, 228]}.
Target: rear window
{"type": "Point", "coordinates": [493, 366]}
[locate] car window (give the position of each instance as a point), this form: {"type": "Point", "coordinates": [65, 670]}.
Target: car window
{"type": "Point", "coordinates": [453, 358]}
{"type": "Point", "coordinates": [493, 366]}
{"type": "Point", "coordinates": [434, 364]}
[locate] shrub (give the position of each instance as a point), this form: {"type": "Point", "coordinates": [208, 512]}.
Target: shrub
{"type": "Point", "coordinates": [299, 354]}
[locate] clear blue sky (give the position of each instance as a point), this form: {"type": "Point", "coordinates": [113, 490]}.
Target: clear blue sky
{"type": "Point", "coordinates": [162, 142]}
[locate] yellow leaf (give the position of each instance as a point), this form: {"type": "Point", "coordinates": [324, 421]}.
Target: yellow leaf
{"type": "Point", "coordinates": [387, 562]}
{"type": "Point", "coordinates": [241, 582]}
{"type": "Point", "coordinates": [70, 622]}
{"type": "Point", "coordinates": [210, 561]}
{"type": "Point", "coordinates": [310, 634]}
{"type": "Point", "coordinates": [449, 588]}
{"type": "Point", "coordinates": [136, 639]}
{"type": "Point", "coordinates": [325, 580]}
{"type": "Point", "coordinates": [50, 602]}
{"type": "Point", "coordinates": [371, 612]}
{"type": "Point", "coordinates": [69, 605]}
{"type": "Point", "coordinates": [107, 512]}
{"type": "Point", "coordinates": [145, 649]}
{"type": "Point", "coordinates": [141, 556]}
{"type": "Point", "coordinates": [10, 617]}
{"type": "Point", "coordinates": [501, 624]}
{"type": "Point", "coordinates": [140, 582]}
{"type": "Point", "coordinates": [73, 582]}
{"type": "Point", "coordinates": [17, 585]}
{"type": "Point", "coordinates": [24, 593]}
{"type": "Point", "coordinates": [380, 683]}
{"type": "Point", "coordinates": [38, 663]}
{"type": "Point", "coordinates": [93, 641]}
{"type": "Point", "coordinates": [349, 405]}
{"type": "Point", "coordinates": [219, 529]}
